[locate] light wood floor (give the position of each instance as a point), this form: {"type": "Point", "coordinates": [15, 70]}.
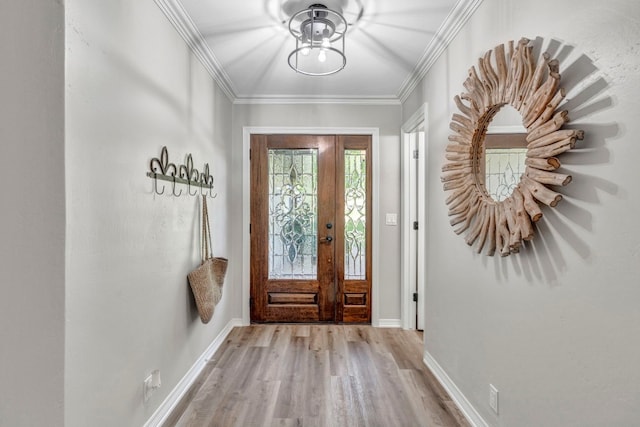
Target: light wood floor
{"type": "Point", "coordinates": [317, 375]}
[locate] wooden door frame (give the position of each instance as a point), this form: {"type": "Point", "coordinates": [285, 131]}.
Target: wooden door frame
{"type": "Point", "coordinates": [247, 131]}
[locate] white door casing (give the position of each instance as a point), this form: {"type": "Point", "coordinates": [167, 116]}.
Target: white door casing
{"type": "Point", "coordinates": [413, 244]}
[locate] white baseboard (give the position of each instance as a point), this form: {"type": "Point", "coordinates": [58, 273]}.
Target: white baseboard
{"type": "Point", "coordinates": [389, 323]}
{"type": "Point", "coordinates": [456, 395]}
{"type": "Point", "coordinates": [169, 404]}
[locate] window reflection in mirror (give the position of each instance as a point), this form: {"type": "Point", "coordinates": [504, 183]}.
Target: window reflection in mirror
{"type": "Point", "coordinates": [505, 151]}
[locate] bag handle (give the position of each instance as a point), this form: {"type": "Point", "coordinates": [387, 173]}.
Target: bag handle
{"type": "Point", "coordinates": [206, 248]}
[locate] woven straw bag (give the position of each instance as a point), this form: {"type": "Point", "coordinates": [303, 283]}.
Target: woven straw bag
{"type": "Point", "coordinates": [206, 281]}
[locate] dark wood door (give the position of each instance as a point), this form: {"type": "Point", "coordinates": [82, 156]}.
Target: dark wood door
{"type": "Point", "coordinates": [305, 266]}
{"type": "Point", "coordinates": [353, 224]}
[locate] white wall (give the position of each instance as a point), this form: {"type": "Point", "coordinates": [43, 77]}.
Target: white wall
{"type": "Point", "coordinates": [132, 86]}
{"type": "Point", "coordinates": [555, 328]}
{"type": "Point", "coordinates": [32, 213]}
{"type": "Point", "coordinates": [387, 119]}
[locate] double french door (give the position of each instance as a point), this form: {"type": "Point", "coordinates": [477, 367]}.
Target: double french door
{"type": "Point", "coordinates": [310, 228]}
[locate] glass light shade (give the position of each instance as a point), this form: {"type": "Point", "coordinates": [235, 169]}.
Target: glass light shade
{"type": "Point", "coordinates": [319, 34]}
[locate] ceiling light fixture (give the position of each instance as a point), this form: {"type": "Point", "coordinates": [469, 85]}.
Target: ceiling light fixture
{"type": "Point", "coordinates": [319, 33]}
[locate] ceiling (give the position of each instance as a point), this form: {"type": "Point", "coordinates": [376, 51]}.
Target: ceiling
{"type": "Point", "coordinates": [389, 46]}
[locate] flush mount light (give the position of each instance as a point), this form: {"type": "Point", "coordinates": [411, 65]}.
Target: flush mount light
{"type": "Point", "coordinates": [319, 33]}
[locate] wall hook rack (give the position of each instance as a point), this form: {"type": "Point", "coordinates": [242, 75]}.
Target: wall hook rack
{"type": "Point", "coordinates": [162, 169]}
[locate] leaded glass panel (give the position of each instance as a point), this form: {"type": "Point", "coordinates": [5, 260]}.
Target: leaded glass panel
{"type": "Point", "coordinates": [293, 213]}
{"type": "Point", "coordinates": [355, 214]}
{"type": "Point", "coordinates": [503, 169]}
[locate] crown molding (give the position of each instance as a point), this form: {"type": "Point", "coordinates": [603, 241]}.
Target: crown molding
{"type": "Point", "coordinates": [452, 24]}
{"type": "Point", "coordinates": [182, 22]}
{"type": "Point", "coordinates": [298, 100]}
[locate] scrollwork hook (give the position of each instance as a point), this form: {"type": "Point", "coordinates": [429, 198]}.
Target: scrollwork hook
{"type": "Point", "coordinates": [161, 163]}
{"type": "Point", "coordinates": [207, 180]}
{"type": "Point", "coordinates": [188, 172]}
{"type": "Point", "coordinates": [174, 187]}
{"type": "Point", "coordinates": [202, 183]}
{"type": "Point", "coordinates": [189, 189]}
{"type": "Point", "coordinates": [211, 194]}
{"type": "Point", "coordinates": [155, 185]}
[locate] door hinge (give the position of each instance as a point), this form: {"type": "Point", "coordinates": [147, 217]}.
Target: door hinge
{"type": "Point", "coordinates": [251, 302]}
{"type": "Point", "coordinates": [415, 225]}
{"type": "Point", "coordinates": [415, 154]}
{"type": "Point", "coordinates": [249, 153]}
{"type": "Point", "coordinates": [415, 296]}
{"type": "Point", "coordinates": [249, 228]}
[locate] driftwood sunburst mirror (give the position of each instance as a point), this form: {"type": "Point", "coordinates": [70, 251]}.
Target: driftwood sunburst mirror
{"type": "Point", "coordinates": [507, 75]}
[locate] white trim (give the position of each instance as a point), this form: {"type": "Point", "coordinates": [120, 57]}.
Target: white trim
{"type": "Point", "coordinates": [416, 119]}
{"type": "Point", "coordinates": [440, 41]}
{"type": "Point", "coordinates": [423, 221]}
{"type": "Point", "coordinates": [407, 307]}
{"type": "Point", "coordinates": [390, 323]}
{"type": "Point", "coordinates": [168, 405]}
{"type": "Point", "coordinates": [306, 99]}
{"type": "Point", "coordinates": [182, 22]}
{"type": "Point", "coordinates": [180, 19]}
{"type": "Point", "coordinates": [469, 412]}
{"type": "Point", "coordinates": [247, 131]}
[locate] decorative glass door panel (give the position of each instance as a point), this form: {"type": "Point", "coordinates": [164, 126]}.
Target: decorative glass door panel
{"type": "Point", "coordinates": [355, 214]}
{"type": "Point", "coordinates": [353, 184]}
{"type": "Point", "coordinates": [293, 214]}
{"type": "Point", "coordinates": [310, 228]}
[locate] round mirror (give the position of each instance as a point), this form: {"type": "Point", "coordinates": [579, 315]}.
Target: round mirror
{"type": "Point", "coordinates": [498, 213]}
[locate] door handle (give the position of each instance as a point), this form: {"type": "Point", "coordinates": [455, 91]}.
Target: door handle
{"type": "Point", "coordinates": [327, 239]}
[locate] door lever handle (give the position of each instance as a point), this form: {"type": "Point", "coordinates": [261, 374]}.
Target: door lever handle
{"type": "Point", "coordinates": [327, 239]}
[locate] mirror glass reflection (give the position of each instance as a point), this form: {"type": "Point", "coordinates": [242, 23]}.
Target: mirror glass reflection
{"type": "Point", "coordinates": [505, 151]}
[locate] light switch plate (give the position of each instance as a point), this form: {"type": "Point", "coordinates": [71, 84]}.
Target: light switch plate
{"type": "Point", "coordinates": [391, 219]}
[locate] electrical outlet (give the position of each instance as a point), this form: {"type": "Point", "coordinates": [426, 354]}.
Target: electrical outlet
{"type": "Point", "coordinates": [151, 384]}
{"type": "Point", "coordinates": [493, 398]}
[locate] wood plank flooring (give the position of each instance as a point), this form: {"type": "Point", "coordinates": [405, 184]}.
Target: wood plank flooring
{"type": "Point", "coordinates": [317, 376]}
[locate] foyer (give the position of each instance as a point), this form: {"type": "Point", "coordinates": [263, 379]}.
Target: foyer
{"type": "Point", "coordinates": [93, 262]}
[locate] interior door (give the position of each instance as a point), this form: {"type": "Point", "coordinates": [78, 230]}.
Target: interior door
{"type": "Point", "coordinates": [310, 228]}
